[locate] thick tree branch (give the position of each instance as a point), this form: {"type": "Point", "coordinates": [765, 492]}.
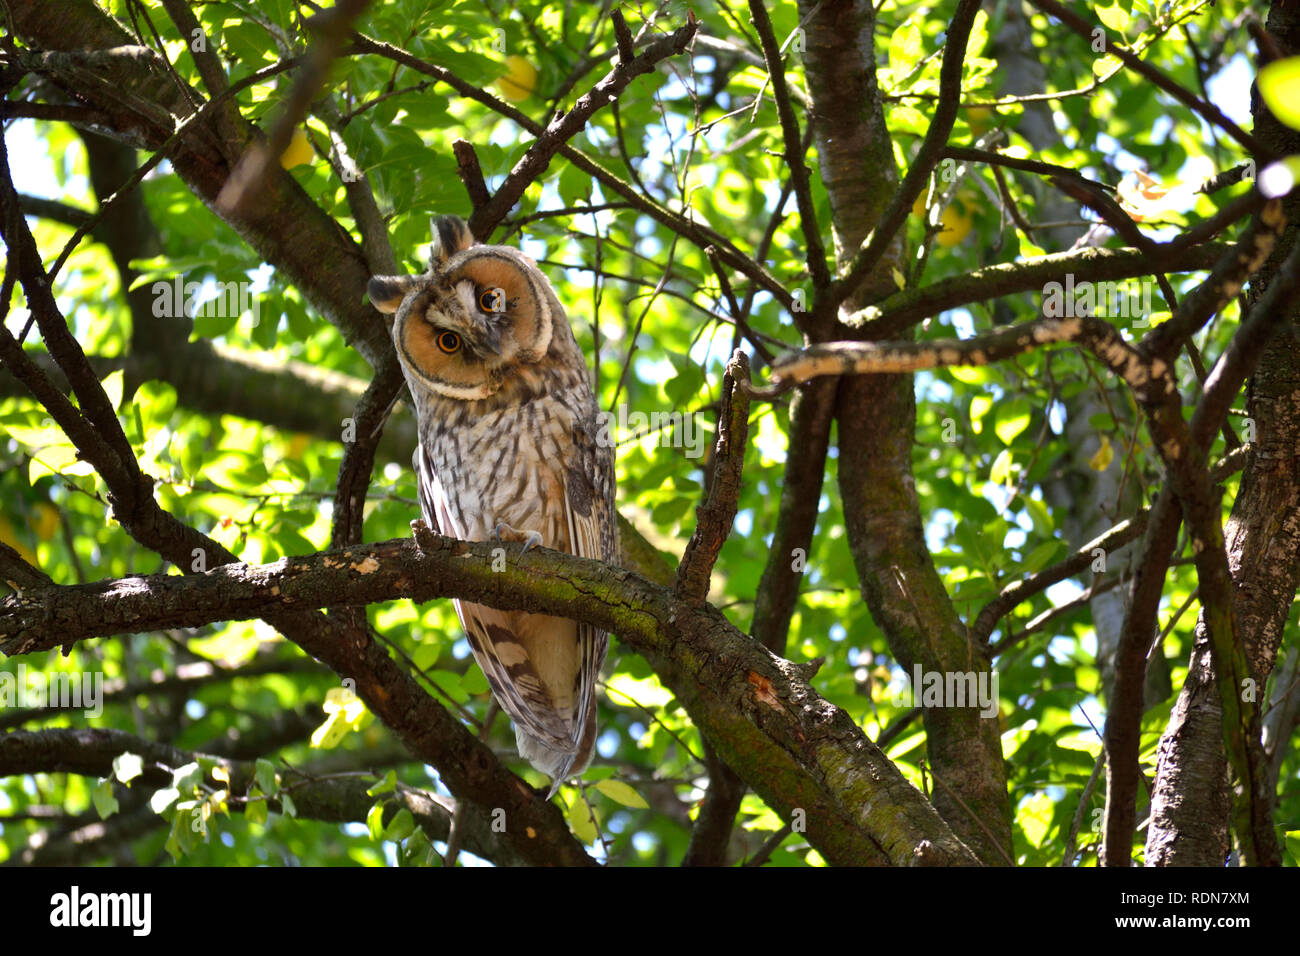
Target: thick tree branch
{"type": "Point", "coordinates": [792, 747]}
{"type": "Point", "coordinates": [1183, 448]}
{"type": "Point", "coordinates": [904, 309]}
{"type": "Point", "coordinates": [936, 138]}
{"type": "Point", "coordinates": [1150, 378]}
{"type": "Point", "coordinates": [331, 799]}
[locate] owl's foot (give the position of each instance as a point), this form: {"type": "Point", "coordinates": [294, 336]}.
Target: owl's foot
{"type": "Point", "coordinates": [425, 538]}
{"type": "Point", "coordinates": [504, 532]}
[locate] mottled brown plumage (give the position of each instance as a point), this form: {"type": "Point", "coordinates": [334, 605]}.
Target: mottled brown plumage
{"type": "Point", "coordinates": [509, 449]}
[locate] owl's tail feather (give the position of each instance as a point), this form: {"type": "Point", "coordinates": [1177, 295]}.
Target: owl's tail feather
{"type": "Point", "coordinates": [560, 764]}
{"type": "Point", "coordinates": [542, 672]}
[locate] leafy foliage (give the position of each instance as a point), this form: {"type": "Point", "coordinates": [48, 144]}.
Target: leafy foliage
{"type": "Point", "coordinates": [649, 310]}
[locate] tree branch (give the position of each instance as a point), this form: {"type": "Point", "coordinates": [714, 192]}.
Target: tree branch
{"type": "Point", "coordinates": [1207, 111]}
{"type": "Point", "coordinates": [815, 253]}
{"type": "Point", "coordinates": [1147, 377]}
{"type": "Point", "coordinates": [714, 516]}
{"type": "Point", "coordinates": [795, 749]}
{"type": "Point", "coordinates": [936, 137]}
{"type": "Point", "coordinates": [563, 128]}
{"type": "Point", "coordinates": [904, 309]}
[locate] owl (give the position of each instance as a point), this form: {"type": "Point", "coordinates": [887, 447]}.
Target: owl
{"type": "Point", "coordinates": [509, 449]}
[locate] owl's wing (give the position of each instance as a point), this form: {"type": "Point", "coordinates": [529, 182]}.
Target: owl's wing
{"type": "Point", "coordinates": [499, 648]}
{"type": "Point", "coordinates": [589, 512]}
{"type": "Point", "coordinates": [426, 484]}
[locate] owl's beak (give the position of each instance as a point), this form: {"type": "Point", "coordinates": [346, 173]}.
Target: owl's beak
{"type": "Point", "coordinates": [490, 330]}
{"type": "Point", "coordinates": [490, 339]}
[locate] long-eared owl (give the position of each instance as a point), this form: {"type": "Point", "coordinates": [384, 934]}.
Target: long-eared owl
{"type": "Point", "coordinates": [509, 450]}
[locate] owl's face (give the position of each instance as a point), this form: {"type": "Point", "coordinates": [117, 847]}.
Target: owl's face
{"type": "Point", "coordinates": [479, 313]}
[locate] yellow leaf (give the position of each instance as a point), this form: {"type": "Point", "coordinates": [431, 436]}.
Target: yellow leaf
{"type": "Point", "coordinates": [8, 537]}
{"type": "Point", "coordinates": [299, 151]}
{"type": "Point", "coordinates": [956, 227]}
{"type": "Point", "coordinates": [330, 733]}
{"type": "Point", "coordinates": [630, 692]}
{"type": "Point", "coordinates": [520, 79]}
{"type": "Point", "coordinates": [582, 821]}
{"type": "Point", "coordinates": [44, 520]}
{"type": "Point", "coordinates": [1104, 456]}
{"type": "Point", "coordinates": [113, 385]}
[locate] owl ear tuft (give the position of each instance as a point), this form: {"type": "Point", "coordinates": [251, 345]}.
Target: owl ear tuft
{"type": "Point", "coordinates": [450, 236]}
{"type": "Point", "coordinates": [387, 292]}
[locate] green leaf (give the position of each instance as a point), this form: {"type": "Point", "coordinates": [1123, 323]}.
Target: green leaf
{"type": "Point", "coordinates": [1010, 419]}
{"type": "Point", "coordinates": [574, 185]}
{"type": "Point", "coordinates": [212, 326]}
{"type": "Point", "coordinates": [387, 785]}
{"type": "Point", "coordinates": [187, 777]}
{"type": "Point", "coordinates": [979, 35]}
{"type": "Point", "coordinates": [1104, 66]}
{"type": "Point", "coordinates": [1041, 556]}
{"type": "Point", "coordinates": [1044, 526]}
{"type": "Point", "coordinates": [620, 792]}
{"type": "Point", "coordinates": [417, 845]}
{"type": "Point", "coordinates": [255, 810]}
{"type": "Point", "coordinates": [375, 821]}
{"type": "Point", "coordinates": [401, 826]}
{"type": "Point", "coordinates": [628, 691]}
{"type": "Point", "coordinates": [113, 384]}
{"type": "Point", "coordinates": [104, 799]}
{"type": "Point", "coordinates": [1115, 17]}
{"type": "Point", "coordinates": [264, 772]}
{"type": "Point", "coordinates": [1084, 741]}
{"type": "Point", "coordinates": [904, 50]}
{"type": "Point", "coordinates": [671, 511]}
{"type": "Point", "coordinates": [1000, 473]}
{"type": "Point", "coordinates": [979, 407]}
{"type": "Point", "coordinates": [1279, 85]}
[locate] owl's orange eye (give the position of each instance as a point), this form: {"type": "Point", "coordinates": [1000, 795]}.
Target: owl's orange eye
{"type": "Point", "coordinates": [448, 342]}
{"type": "Point", "coordinates": [492, 300]}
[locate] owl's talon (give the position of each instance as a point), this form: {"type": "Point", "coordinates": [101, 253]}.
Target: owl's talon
{"type": "Point", "coordinates": [504, 532]}
{"type": "Point", "coordinates": [424, 537]}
